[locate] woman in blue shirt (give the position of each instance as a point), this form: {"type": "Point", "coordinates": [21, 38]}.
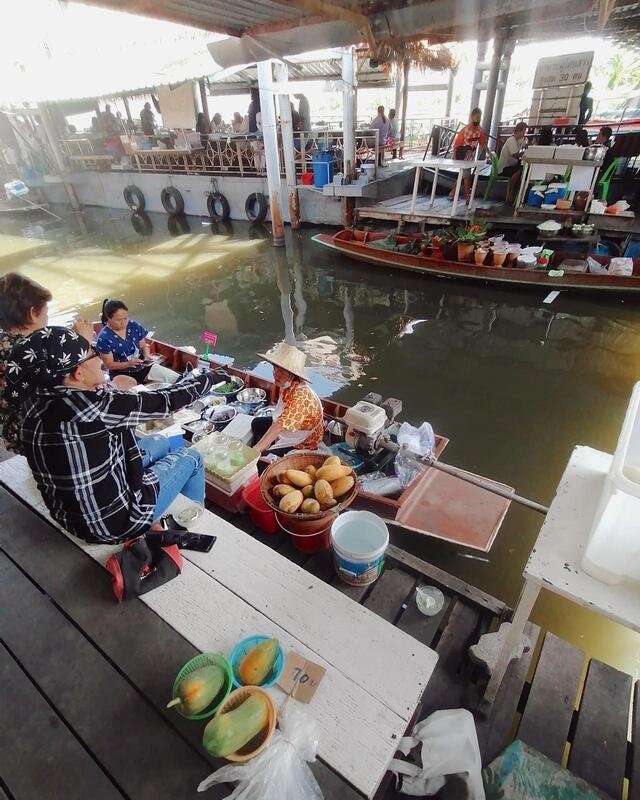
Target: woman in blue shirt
{"type": "Point", "coordinates": [122, 342]}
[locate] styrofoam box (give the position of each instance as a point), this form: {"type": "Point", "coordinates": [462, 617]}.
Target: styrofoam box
{"type": "Point", "coordinates": [569, 151]}
{"type": "Point", "coordinates": [541, 151]}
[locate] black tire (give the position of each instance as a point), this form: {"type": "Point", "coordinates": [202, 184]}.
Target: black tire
{"type": "Point", "coordinates": [134, 198]}
{"type": "Point", "coordinates": [218, 207]}
{"type": "Point", "coordinates": [172, 200]}
{"type": "Point", "coordinates": [178, 225]}
{"type": "Point", "coordinates": [256, 207]}
{"type": "Point", "coordinates": [141, 224]}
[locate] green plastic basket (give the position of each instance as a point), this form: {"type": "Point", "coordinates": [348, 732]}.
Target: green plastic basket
{"type": "Point", "coordinates": [206, 660]}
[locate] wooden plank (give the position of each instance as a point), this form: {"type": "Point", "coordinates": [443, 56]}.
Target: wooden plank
{"type": "Point", "coordinates": [443, 579]}
{"type": "Point", "coordinates": [357, 730]}
{"type": "Point", "coordinates": [321, 565]}
{"type": "Point", "coordinates": [634, 772]}
{"type": "Point", "coordinates": [332, 785]}
{"type": "Point", "coordinates": [547, 715]}
{"type": "Point", "coordinates": [356, 593]}
{"type": "Point", "coordinates": [421, 627]}
{"type": "Point", "coordinates": [127, 737]}
{"type": "Point", "coordinates": [288, 550]}
{"type": "Point", "coordinates": [39, 756]}
{"type": "Point", "coordinates": [389, 593]}
{"type": "Point", "coordinates": [599, 749]}
{"type": "Point", "coordinates": [494, 725]}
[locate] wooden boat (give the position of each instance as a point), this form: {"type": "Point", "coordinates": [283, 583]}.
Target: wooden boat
{"type": "Point", "coordinates": [435, 503]}
{"type": "Point", "coordinates": [358, 244]}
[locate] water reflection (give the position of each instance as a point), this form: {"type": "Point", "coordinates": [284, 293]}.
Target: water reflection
{"type": "Point", "coordinates": [513, 382]}
{"type": "Point", "coordinates": [141, 224]}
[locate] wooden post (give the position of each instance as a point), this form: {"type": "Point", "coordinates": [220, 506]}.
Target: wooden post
{"type": "Point", "coordinates": [452, 75]}
{"type": "Point", "coordinates": [286, 131]}
{"type": "Point", "coordinates": [270, 141]}
{"type": "Point", "coordinates": [492, 84]}
{"type": "Point", "coordinates": [399, 82]}
{"type": "Point", "coordinates": [478, 74]}
{"type": "Point", "coordinates": [127, 109]}
{"type": "Point", "coordinates": [203, 98]}
{"type": "Point", "coordinates": [405, 99]}
{"type": "Point", "coordinates": [57, 154]}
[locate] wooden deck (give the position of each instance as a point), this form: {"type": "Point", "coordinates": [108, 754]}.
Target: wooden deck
{"type": "Point", "coordinates": [399, 209]}
{"type": "Point", "coordinates": [85, 681]}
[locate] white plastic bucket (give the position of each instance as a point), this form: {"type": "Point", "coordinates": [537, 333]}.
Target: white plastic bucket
{"type": "Point", "coordinates": [359, 540]}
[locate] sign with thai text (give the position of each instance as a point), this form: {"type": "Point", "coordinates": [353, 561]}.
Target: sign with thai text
{"type": "Point", "coordinates": [567, 70]}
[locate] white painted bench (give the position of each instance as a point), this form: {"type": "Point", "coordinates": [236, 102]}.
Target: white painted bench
{"type": "Point", "coordinates": [375, 673]}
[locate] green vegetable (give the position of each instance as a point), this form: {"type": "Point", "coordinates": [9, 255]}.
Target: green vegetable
{"type": "Point", "coordinates": [227, 388]}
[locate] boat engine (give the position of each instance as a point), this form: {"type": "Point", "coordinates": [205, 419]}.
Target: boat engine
{"type": "Point", "coordinates": [367, 423]}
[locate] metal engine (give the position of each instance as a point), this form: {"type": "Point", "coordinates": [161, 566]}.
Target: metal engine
{"type": "Point", "coordinates": [367, 423]}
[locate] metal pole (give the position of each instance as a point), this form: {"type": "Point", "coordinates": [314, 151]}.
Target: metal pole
{"type": "Point", "coordinates": [127, 109]}
{"type": "Point", "coordinates": [399, 78]}
{"type": "Point", "coordinates": [405, 98]}
{"type": "Point", "coordinates": [286, 131]}
{"type": "Point", "coordinates": [203, 98]}
{"type": "Point", "coordinates": [478, 74]}
{"type": "Point", "coordinates": [501, 89]}
{"type": "Point", "coordinates": [492, 84]}
{"type": "Point", "coordinates": [270, 141]}
{"type": "Point", "coordinates": [348, 119]}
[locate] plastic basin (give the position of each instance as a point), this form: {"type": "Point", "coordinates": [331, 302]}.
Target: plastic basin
{"type": "Point", "coordinates": [241, 650]}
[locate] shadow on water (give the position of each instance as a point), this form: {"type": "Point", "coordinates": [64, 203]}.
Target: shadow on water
{"type": "Point", "coordinates": [514, 383]}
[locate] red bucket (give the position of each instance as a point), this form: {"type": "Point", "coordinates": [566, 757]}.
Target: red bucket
{"type": "Point", "coordinates": [307, 178]}
{"type": "Point", "coordinates": [310, 536]}
{"type": "Point", "coordinates": [261, 515]}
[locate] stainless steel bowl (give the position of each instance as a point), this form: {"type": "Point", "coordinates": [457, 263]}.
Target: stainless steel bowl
{"type": "Point", "coordinates": [252, 398]}
{"type": "Point", "coordinates": [220, 416]}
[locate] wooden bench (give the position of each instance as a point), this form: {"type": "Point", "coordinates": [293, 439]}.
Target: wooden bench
{"type": "Point", "coordinates": [375, 672]}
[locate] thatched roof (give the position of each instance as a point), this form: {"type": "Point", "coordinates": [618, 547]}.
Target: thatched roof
{"type": "Point", "coordinates": [394, 50]}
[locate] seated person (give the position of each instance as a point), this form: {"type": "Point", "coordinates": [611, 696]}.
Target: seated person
{"type": "Point", "coordinates": [124, 348]}
{"type": "Point", "coordinates": [582, 138]}
{"type": "Point", "coordinates": [604, 140]}
{"type": "Point", "coordinates": [98, 482]}
{"type": "Point", "coordinates": [545, 137]}
{"type": "Point", "coordinates": [468, 140]}
{"type": "Point", "coordinates": [297, 419]}
{"type": "Point", "coordinates": [509, 162]}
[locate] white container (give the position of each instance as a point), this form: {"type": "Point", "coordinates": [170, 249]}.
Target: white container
{"type": "Point", "coordinates": [571, 152]}
{"type": "Point", "coordinates": [613, 549]}
{"type": "Point", "coordinates": [365, 417]}
{"type": "Point", "coordinates": [540, 151]}
{"type": "Point", "coordinates": [359, 540]}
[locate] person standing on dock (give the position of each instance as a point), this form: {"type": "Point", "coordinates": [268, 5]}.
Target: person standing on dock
{"type": "Point", "coordinates": [380, 123]}
{"type": "Point", "coordinates": [509, 164]}
{"type": "Point", "coordinates": [467, 141]}
{"type": "Point", "coordinates": [586, 105]}
{"type": "Point", "coordinates": [305, 112]}
{"type": "Point", "coordinates": [148, 120]}
{"type": "Point", "coordinates": [393, 132]}
{"type": "Point", "coordinates": [98, 481]}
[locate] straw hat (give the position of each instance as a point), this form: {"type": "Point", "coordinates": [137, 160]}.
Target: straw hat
{"type": "Point", "coordinates": [287, 357]}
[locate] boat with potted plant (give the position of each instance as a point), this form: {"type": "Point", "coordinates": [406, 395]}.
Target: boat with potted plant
{"type": "Point", "coordinates": [440, 501]}
{"type": "Point", "coordinates": [467, 253]}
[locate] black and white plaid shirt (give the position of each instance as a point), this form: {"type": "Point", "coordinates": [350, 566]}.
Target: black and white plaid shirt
{"type": "Point", "coordinates": [82, 451]}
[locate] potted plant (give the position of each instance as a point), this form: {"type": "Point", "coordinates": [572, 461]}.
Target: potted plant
{"type": "Point", "coordinates": [467, 236]}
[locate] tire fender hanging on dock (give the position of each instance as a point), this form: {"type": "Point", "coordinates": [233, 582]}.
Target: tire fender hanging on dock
{"type": "Point", "coordinates": [218, 207]}
{"type": "Point", "coordinates": [172, 200]}
{"type": "Point", "coordinates": [134, 198]}
{"type": "Point", "coordinates": [256, 207]}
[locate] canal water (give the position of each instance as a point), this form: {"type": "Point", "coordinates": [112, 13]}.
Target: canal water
{"type": "Point", "coordinates": [514, 383]}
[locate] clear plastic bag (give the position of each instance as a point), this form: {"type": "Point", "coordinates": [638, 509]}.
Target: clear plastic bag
{"type": "Point", "coordinates": [414, 442]}
{"type": "Point", "coordinates": [281, 772]}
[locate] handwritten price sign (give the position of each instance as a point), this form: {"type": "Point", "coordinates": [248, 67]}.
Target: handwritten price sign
{"type": "Point", "coordinates": [300, 677]}
{"type": "Point", "coordinates": [209, 337]}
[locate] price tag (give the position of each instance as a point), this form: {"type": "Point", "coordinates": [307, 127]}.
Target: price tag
{"type": "Point", "coordinates": [209, 337]}
{"type": "Point", "coordinates": [300, 677]}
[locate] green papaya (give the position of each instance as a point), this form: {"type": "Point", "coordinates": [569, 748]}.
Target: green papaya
{"type": "Point", "coordinates": [229, 732]}
{"type": "Point", "coordinates": [198, 689]}
{"type": "Point", "coordinates": [258, 663]}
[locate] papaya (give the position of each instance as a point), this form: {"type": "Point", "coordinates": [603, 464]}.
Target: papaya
{"type": "Point", "coordinates": [258, 663]}
{"type": "Point", "coordinates": [198, 689]}
{"type": "Point", "coordinates": [229, 732]}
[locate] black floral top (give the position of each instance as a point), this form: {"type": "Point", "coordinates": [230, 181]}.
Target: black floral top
{"type": "Point", "coordinates": [10, 415]}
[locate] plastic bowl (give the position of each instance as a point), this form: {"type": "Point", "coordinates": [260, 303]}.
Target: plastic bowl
{"type": "Point", "coordinates": [206, 660]}
{"type": "Point", "coordinates": [241, 650]}
{"type": "Point", "coordinates": [256, 745]}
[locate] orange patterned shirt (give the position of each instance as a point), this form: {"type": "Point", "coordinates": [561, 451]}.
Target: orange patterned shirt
{"type": "Point", "coordinates": [302, 412]}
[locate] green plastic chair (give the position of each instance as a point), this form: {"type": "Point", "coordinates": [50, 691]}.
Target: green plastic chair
{"type": "Point", "coordinates": [494, 177]}
{"type": "Point", "coordinates": [604, 181]}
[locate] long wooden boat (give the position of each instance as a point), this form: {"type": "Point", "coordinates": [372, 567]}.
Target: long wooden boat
{"type": "Point", "coordinates": [435, 503]}
{"type": "Point", "coordinates": [358, 244]}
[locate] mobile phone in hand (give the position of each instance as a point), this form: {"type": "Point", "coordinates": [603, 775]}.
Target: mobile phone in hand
{"type": "Point", "coordinates": [199, 542]}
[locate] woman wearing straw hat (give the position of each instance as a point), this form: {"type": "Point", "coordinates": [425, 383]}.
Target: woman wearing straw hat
{"type": "Point", "coordinates": [297, 419]}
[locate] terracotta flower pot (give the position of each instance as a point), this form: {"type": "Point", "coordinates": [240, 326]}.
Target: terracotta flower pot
{"type": "Point", "coordinates": [480, 256]}
{"type": "Point", "coordinates": [465, 251]}
{"type": "Point", "coordinates": [499, 258]}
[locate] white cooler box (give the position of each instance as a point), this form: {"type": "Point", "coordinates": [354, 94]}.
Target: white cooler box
{"type": "Point", "coordinates": [613, 549]}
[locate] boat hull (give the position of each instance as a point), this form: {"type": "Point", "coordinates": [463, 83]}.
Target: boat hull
{"type": "Point", "coordinates": [442, 268]}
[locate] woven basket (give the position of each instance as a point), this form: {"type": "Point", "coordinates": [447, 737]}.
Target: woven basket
{"type": "Point", "coordinates": [301, 461]}
{"type": "Point", "coordinates": [260, 740]}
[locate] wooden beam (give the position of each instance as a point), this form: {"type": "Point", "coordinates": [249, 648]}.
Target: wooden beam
{"type": "Point", "coordinates": [326, 10]}
{"type": "Point", "coordinates": [284, 25]}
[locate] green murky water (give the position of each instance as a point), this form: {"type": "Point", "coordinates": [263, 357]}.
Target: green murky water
{"type": "Point", "coordinates": [514, 383]}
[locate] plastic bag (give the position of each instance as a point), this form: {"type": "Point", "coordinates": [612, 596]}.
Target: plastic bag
{"type": "Point", "coordinates": [449, 747]}
{"type": "Point", "coordinates": [413, 442]}
{"type": "Point", "coordinates": [281, 771]}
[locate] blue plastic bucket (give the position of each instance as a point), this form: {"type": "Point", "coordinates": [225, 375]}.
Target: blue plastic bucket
{"type": "Point", "coordinates": [360, 540]}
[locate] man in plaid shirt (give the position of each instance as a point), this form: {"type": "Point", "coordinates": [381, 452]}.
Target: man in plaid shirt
{"type": "Point", "coordinates": [98, 481]}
